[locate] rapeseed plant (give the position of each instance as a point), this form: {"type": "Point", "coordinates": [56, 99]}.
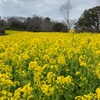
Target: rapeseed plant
{"type": "Point", "coordinates": [50, 66]}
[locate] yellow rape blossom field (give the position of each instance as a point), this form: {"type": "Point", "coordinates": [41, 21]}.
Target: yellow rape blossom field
{"type": "Point", "coordinates": [49, 66]}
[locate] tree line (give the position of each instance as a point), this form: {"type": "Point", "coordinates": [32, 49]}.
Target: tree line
{"type": "Point", "coordinates": [35, 24]}
{"type": "Point", "coordinates": [89, 20]}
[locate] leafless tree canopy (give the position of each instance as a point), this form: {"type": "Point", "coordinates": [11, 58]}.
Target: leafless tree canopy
{"type": "Point", "coordinates": [98, 2]}
{"type": "Point", "coordinates": [65, 10]}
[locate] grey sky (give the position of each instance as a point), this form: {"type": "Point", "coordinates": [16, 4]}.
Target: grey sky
{"type": "Point", "coordinates": [45, 8]}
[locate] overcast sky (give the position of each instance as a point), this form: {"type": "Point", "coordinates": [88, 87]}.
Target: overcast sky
{"type": "Point", "coordinates": [44, 8]}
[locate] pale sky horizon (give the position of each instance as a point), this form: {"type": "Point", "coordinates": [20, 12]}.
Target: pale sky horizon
{"type": "Point", "coordinates": [44, 8]}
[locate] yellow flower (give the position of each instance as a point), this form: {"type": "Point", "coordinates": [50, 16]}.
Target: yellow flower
{"type": "Point", "coordinates": [29, 97]}
{"type": "Point", "coordinates": [60, 42]}
{"type": "Point", "coordinates": [32, 65]}
{"type": "Point", "coordinates": [23, 92]}
{"type": "Point", "coordinates": [77, 73]}
{"type": "Point", "coordinates": [72, 31]}
{"type": "Point", "coordinates": [27, 90]}
{"type": "Point", "coordinates": [97, 53]}
{"type": "Point", "coordinates": [82, 60]}
{"type": "Point", "coordinates": [17, 93]}
{"type": "Point", "coordinates": [54, 67]}
{"type": "Point", "coordinates": [83, 64]}
{"type": "Point", "coordinates": [46, 57]}
{"type": "Point", "coordinates": [83, 78]}
{"type": "Point", "coordinates": [47, 89]}
{"type": "Point", "coordinates": [50, 77]}
{"type": "Point", "coordinates": [89, 96]}
{"type": "Point", "coordinates": [98, 93]}
{"type": "Point", "coordinates": [97, 72]}
{"type": "Point", "coordinates": [60, 80]}
{"type": "Point", "coordinates": [64, 80]}
{"type": "Point", "coordinates": [23, 73]}
{"type": "Point", "coordinates": [78, 98]}
{"type": "Point", "coordinates": [9, 94]}
{"type": "Point", "coordinates": [61, 60]}
{"type": "Point", "coordinates": [89, 59]}
{"type": "Point", "coordinates": [4, 92]}
{"type": "Point", "coordinates": [52, 61]}
{"type": "Point", "coordinates": [5, 80]}
{"type": "Point", "coordinates": [68, 79]}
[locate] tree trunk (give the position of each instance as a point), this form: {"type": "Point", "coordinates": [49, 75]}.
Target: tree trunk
{"type": "Point", "coordinates": [2, 31]}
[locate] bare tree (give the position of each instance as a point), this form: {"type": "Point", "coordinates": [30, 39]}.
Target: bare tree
{"type": "Point", "coordinates": [98, 2]}
{"type": "Point", "coordinates": [65, 10]}
{"type": "Point", "coordinates": [46, 25]}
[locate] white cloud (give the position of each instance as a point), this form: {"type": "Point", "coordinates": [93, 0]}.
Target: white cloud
{"type": "Point", "coordinates": [43, 8]}
{"type": "Point", "coordinates": [49, 2]}
{"type": "Point", "coordinates": [2, 1]}
{"type": "Point", "coordinates": [18, 1]}
{"type": "Point", "coordinates": [40, 5]}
